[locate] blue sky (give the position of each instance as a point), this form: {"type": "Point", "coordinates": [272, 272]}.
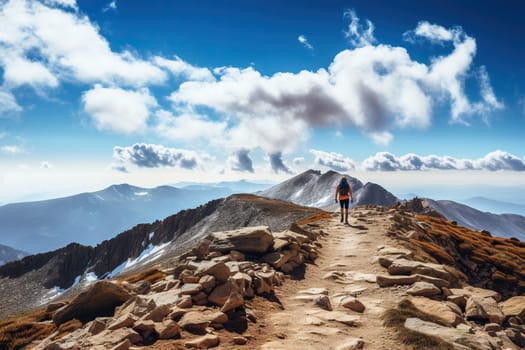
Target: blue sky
{"type": "Point", "coordinates": [99, 92]}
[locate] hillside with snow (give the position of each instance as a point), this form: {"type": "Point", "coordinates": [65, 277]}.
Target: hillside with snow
{"type": "Point", "coordinates": [315, 189]}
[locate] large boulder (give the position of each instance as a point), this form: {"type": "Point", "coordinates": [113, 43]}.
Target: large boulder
{"type": "Point", "coordinates": [387, 281]}
{"type": "Point", "coordinates": [514, 306]}
{"type": "Point", "coordinates": [452, 336]}
{"type": "Point", "coordinates": [410, 267]}
{"type": "Point", "coordinates": [483, 310]}
{"type": "Point", "coordinates": [217, 269]}
{"type": "Point", "coordinates": [437, 309]}
{"type": "Point", "coordinates": [256, 239]}
{"type": "Point", "coordinates": [98, 301]}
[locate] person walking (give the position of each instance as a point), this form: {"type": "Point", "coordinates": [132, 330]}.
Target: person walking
{"type": "Point", "coordinates": [344, 192]}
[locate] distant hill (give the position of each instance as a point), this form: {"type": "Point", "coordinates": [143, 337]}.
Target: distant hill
{"type": "Point", "coordinates": [315, 189]}
{"type": "Point", "coordinates": [89, 218]}
{"type": "Point", "coordinates": [8, 254]}
{"type": "Point", "coordinates": [495, 206]}
{"type": "Point", "coordinates": [241, 186]}
{"type": "Point", "coordinates": [502, 225]}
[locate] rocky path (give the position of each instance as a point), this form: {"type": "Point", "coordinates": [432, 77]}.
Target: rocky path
{"type": "Point", "coordinates": [344, 275]}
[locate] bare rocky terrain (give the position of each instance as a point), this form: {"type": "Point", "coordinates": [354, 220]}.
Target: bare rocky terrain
{"type": "Point", "coordinates": [392, 279]}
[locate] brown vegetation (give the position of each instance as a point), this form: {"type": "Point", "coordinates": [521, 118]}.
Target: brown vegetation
{"type": "Point", "coordinates": [17, 332]}
{"type": "Point", "coordinates": [152, 276]}
{"type": "Point", "coordinates": [314, 218]}
{"type": "Point", "coordinates": [395, 318]}
{"type": "Point", "coordinates": [489, 262]}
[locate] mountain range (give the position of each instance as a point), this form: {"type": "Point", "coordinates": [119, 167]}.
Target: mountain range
{"type": "Point", "coordinates": [90, 218]}
{"type": "Point", "coordinates": [502, 225]}
{"type": "Point", "coordinates": [315, 189]}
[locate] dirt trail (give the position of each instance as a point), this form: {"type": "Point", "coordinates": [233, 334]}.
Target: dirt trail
{"type": "Point", "coordinates": [348, 256]}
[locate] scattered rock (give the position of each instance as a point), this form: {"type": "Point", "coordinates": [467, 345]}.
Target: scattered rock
{"type": "Point", "coordinates": [452, 336]}
{"type": "Point", "coordinates": [240, 340]}
{"type": "Point", "coordinates": [323, 302]}
{"type": "Point", "coordinates": [353, 304]}
{"type": "Point", "coordinates": [204, 342]}
{"type": "Point", "coordinates": [219, 270]}
{"type": "Point", "coordinates": [351, 344]}
{"type": "Point", "coordinates": [99, 300]}
{"type": "Point", "coordinates": [492, 327]}
{"type": "Point", "coordinates": [387, 281]}
{"type": "Point", "coordinates": [437, 309]}
{"type": "Point", "coordinates": [483, 310]}
{"type": "Point", "coordinates": [255, 239]}
{"type": "Point", "coordinates": [410, 267]}
{"type": "Point", "coordinates": [514, 306]}
{"type": "Point", "coordinates": [423, 289]}
{"type": "Point", "coordinates": [470, 291]}
{"type": "Point", "coordinates": [167, 329]}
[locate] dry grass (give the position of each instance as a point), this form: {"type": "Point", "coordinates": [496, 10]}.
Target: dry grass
{"type": "Point", "coordinates": [18, 334]}
{"type": "Point", "coordinates": [395, 318]}
{"type": "Point", "coordinates": [68, 327]}
{"type": "Point", "coordinates": [152, 276]}
{"type": "Point", "coordinates": [314, 218]}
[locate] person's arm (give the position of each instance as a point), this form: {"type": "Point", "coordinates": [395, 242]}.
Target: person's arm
{"type": "Point", "coordinates": [351, 194]}
{"type": "Point", "coordinates": [336, 192]}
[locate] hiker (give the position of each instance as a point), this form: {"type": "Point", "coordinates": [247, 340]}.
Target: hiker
{"type": "Point", "coordinates": [344, 190]}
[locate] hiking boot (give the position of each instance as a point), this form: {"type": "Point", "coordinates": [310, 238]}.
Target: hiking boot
{"type": "Point", "coordinates": [346, 218]}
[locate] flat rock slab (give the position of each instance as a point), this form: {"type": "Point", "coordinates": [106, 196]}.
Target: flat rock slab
{"type": "Point", "coordinates": [423, 289]}
{"type": "Point", "coordinates": [314, 291]}
{"type": "Point", "coordinates": [450, 335]}
{"type": "Point", "coordinates": [338, 316]}
{"type": "Point", "coordinates": [438, 309]}
{"type": "Point", "coordinates": [256, 239]}
{"type": "Point", "coordinates": [387, 281]}
{"type": "Point", "coordinates": [514, 306]}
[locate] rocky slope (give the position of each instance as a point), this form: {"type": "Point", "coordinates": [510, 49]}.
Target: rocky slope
{"type": "Point", "coordinates": [35, 276]}
{"type": "Point", "coordinates": [90, 218]}
{"type": "Point", "coordinates": [392, 279]}
{"type": "Point", "coordinates": [314, 189]}
{"type": "Point", "coordinates": [503, 225]}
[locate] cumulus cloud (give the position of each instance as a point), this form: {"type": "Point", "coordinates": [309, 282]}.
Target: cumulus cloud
{"type": "Point", "coordinates": [375, 88]}
{"type": "Point", "coordinates": [277, 163]}
{"type": "Point", "coordinates": [432, 32]}
{"type": "Point", "coordinates": [240, 161]}
{"type": "Point", "coordinates": [333, 160]}
{"type": "Point", "coordinates": [8, 103]}
{"type": "Point", "coordinates": [119, 110]}
{"type": "Point", "coordinates": [493, 161]}
{"type": "Point", "coordinates": [189, 127]}
{"type": "Point", "coordinates": [181, 68]}
{"type": "Point", "coordinates": [356, 34]}
{"type": "Point", "coordinates": [298, 160]}
{"type": "Point", "coordinates": [303, 40]}
{"type": "Point", "coordinates": [145, 155]}
{"type": "Point", "coordinates": [54, 44]}
{"type": "Point", "coordinates": [12, 149]}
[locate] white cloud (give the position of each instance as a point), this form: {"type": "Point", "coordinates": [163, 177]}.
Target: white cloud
{"type": "Point", "coordinates": [63, 3]}
{"type": "Point", "coordinates": [8, 103]}
{"type": "Point", "coordinates": [333, 160]}
{"type": "Point", "coordinates": [189, 127]}
{"type": "Point", "coordinates": [12, 149]}
{"type": "Point", "coordinates": [111, 6]}
{"type": "Point", "coordinates": [20, 71]}
{"type": "Point", "coordinates": [375, 88]}
{"type": "Point", "coordinates": [432, 32]}
{"type": "Point", "coordinates": [303, 40]}
{"type": "Point", "coordinates": [240, 161]}
{"type": "Point", "coordinates": [119, 110]}
{"type": "Point", "coordinates": [179, 67]}
{"type": "Point", "coordinates": [154, 156]}
{"type": "Point", "coordinates": [493, 161]}
{"type": "Point", "coordinates": [67, 46]}
{"type": "Point", "coordinates": [356, 34]}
